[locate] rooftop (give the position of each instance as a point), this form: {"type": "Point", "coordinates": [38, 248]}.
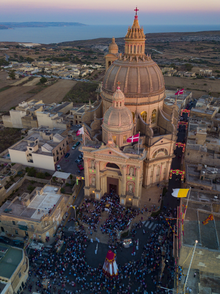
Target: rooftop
{"type": "Point", "coordinates": [10, 257]}
{"type": "Point", "coordinates": [200, 205]}
{"type": "Point", "coordinates": [61, 175]}
{"type": "Point", "coordinates": [42, 201]}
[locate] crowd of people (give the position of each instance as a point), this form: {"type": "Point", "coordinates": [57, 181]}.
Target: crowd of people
{"type": "Point", "coordinates": [119, 217]}
{"type": "Point", "coordinates": [68, 271]}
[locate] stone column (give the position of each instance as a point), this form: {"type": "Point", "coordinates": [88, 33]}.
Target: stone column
{"type": "Point", "coordinates": [86, 172]}
{"type": "Point", "coordinates": [97, 176]}
{"type": "Point", "coordinates": [137, 179]}
{"type": "Point", "coordinates": [123, 189]}
{"type": "Point", "coordinates": [154, 174]}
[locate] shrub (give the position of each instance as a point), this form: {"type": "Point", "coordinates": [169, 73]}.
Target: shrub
{"type": "Point", "coordinates": [40, 175]}
{"type": "Point", "coordinates": [30, 188]}
{"type": "Point", "coordinates": [31, 171]}
{"type": "Point", "coordinates": [43, 80]}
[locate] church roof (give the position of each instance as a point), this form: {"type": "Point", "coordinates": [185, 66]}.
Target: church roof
{"type": "Point", "coordinates": [140, 78]}
{"type": "Point", "coordinates": [118, 117]}
{"type": "Point", "coordinates": [138, 74]}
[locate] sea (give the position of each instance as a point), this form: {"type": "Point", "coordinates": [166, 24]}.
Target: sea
{"type": "Point", "coordinates": [47, 35]}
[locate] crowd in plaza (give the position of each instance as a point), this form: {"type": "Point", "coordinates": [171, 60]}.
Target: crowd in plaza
{"type": "Point", "coordinates": [68, 271]}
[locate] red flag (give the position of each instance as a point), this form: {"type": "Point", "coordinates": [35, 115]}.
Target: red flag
{"type": "Point", "coordinates": [134, 138]}
{"type": "Point", "coordinates": [179, 92]}
{"type": "Point", "coordinates": [80, 131]}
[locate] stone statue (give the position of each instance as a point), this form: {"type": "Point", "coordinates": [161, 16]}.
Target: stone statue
{"type": "Point", "coordinates": [93, 181]}
{"type": "Point", "coordinates": [93, 164]}
{"type": "Point", "coordinates": [130, 189]}
{"type": "Point", "coordinates": [131, 172]}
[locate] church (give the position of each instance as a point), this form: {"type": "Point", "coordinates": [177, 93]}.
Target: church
{"type": "Point", "coordinates": [130, 103]}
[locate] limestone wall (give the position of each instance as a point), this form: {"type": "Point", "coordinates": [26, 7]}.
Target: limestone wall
{"type": "Point", "coordinates": [88, 116]}
{"type": "Point", "coordinates": [165, 123]}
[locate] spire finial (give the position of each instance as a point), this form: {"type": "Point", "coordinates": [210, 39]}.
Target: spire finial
{"type": "Point", "coordinates": [118, 85]}
{"type": "Point", "coordinates": [136, 11]}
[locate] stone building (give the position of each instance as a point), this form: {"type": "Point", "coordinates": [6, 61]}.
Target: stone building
{"type": "Point", "coordinates": [14, 267]}
{"type": "Point", "coordinates": [43, 148]}
{"type": "Point", "coordinates": [132, 102]}
{"type": "Point", "coordinates": [36, 215]}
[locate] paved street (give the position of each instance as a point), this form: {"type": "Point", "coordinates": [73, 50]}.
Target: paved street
{"type": "Point", "coordinates": [68, 164]}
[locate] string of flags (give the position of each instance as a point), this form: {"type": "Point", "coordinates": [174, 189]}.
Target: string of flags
{"type": "Point", "coordinates": [79, 178]}
{"type": "Point", "coordinates": [209, 218]}
{"type": "Point", "coordinates": [169, 224]}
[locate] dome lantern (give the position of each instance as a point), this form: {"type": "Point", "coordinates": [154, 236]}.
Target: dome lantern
{"type": "Point", "coordinates": [118, 100]}
{"type": "Point", "coordinates": [113, 47]}
{"type": "Point", "coordinates": [135, 39]}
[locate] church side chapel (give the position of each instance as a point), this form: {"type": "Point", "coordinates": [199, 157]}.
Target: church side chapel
{"type": "Point", "coordinates": [130, 136]}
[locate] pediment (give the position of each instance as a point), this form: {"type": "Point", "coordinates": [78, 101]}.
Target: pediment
{"type": "Point", "coordinates": [161, 141]}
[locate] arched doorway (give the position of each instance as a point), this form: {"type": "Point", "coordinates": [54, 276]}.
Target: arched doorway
{"type": "Point", "coordinates": [112, 185]}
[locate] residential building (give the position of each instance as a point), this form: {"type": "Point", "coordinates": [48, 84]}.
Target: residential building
{"type": "Point", "coordinates": [35, 113]}
{"type": "Point", "coordinates": [14, 267]}
{"type": "Point", "coordinates": [36, 215]}
{"type": "Point", "coordinates": [43, 148]}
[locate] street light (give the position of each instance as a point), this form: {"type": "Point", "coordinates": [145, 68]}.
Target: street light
{"type": "Point", "coordinates": [187, 276]}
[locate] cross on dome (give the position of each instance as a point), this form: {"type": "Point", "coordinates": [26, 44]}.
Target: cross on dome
{"type": "Point", "coordinates": [136, 11]}
{"type": "Point", "coordinates": [118, 85]}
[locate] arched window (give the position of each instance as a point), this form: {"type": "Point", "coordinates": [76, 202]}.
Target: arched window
{"type": "Point", "coordinates": [134, 48]}
{"type": "Point", "coordinates": [112, 165]}
{"type": "Point", "coordinates": [141, 49]}
{"type": "Point", "coordinates": [137, 48]}
{"type": "Point", "coordinates": [154, 116]}
{"type": "Point", "coordinates": [109, 63]}
{"type": "Point", "coordinates": [133, 116]}
{"type": "Point", "coordinates": [144, 116]}
{"type": "Point", "coordinates": [160, 153]}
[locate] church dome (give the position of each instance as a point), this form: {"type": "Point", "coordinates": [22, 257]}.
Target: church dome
{"type": "Point", "coordinates": [113, 47]}
{"type": "Point", "coordinates": [138, 74]}
{"type": "Point", "coordinates": [118, 117]}
{"type": "Point", "coordinates": [140, 78]}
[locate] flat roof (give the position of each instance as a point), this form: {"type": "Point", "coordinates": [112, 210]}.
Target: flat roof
{"type": "Point", "coordinates": [61, 175]}
{"type": "Point", "coordinates": [200, 205]}
{"type": "Point", "coordinates": [44, 202]}
{"type": "Point", "coordinates": [9, 260]}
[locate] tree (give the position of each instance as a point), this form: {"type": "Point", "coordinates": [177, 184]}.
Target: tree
{"type": "Point", "coordinates": [12, 74]}
{"type": "Point", "coordinates": [3, 62]}
{"type": "Point", "coordinates": [188, 66]}
{"type": "Point", "coordinates": [43, 80]}
{"type": "Point", "coordinates": [29, 59]}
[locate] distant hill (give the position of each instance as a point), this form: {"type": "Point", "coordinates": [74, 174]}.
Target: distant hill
{"type": "Point", "coordinates": [12, 25]}
{"type": "Point", "coordinates": [152, 38]}
{"type": "Point", "coordinates": [2, 27]}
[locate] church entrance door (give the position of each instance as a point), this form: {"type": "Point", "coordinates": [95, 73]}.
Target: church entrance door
{"type": "Point", "coordinates": [112, 185]}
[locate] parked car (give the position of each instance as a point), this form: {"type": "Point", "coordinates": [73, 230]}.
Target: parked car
{"type": "Point", "coordinates": [18, 243]}
{"type": "Point", "coordinates": [58, 167]}
{"type": "Point", "coordinates": [77, 143]}
{"type": "Point", "coordinates": [77, 161]}
{"type": "Point", "coordinates": [67, 155]}
{"type": "Point", "coordinates": [80, 167]}
{"type": "Point", "coordinates": [74, 147]}
{"type": "Point", "coordinates": [80, 156]}
{"type": "Point", "coordinates": [4, 239]}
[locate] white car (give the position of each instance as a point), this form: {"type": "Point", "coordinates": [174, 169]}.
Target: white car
{"type": "Point", "coordinates": [58, 167]}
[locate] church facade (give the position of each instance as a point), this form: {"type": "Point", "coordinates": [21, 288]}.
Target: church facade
{"type": "Point", "coordinates": [131, 102]}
